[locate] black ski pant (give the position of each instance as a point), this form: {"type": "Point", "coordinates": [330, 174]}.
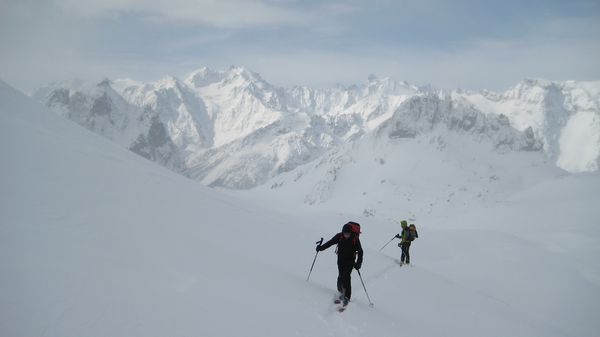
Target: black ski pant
{"type": "Point", "coordinates": [344, 285]}
{"type": "Point", "coordinates": [405, 254]}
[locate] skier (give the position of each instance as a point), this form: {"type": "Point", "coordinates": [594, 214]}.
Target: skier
{"type": "Point", "coordinates": [349, 249]}
{"type": "Point", "coordinates": [406, 237]}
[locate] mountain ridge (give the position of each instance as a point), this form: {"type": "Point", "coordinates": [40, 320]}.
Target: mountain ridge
{"type": "Point", "coordinates": [265, 130]}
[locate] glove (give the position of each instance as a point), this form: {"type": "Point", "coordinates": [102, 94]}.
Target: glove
{"type": "Point", "coordinates": [400, 245]}
{"type": "Point", "coordinates": [357, 266]}
{"type": "Point", "coordinates": [397, 236]}
{"type": "Point", "coordinates": [319, 248]}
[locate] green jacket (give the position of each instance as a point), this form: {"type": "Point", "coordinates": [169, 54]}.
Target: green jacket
{"type": "Point", "coordinates": [404, 234]}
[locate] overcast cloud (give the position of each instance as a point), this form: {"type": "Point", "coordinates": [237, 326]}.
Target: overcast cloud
{"type": "Point", "coordinates": [463, 43]}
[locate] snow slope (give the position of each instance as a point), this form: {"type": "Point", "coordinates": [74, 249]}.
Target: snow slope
{"type": "Point", "coordinates": [431, 156]}
{"type": "Point", "coordinates": [97, 241]}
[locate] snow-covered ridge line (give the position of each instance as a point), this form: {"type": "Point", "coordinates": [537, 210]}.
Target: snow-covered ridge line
{"type": "Point", "coordinates": [232, 128]}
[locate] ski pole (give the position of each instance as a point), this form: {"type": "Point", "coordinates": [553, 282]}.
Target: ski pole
{"type": "Point", "coordinates": [313, 264]}
{"type": "Point", "coordinates": [363, 283]}
{"type": "Point", "coordinates": [387, 243]}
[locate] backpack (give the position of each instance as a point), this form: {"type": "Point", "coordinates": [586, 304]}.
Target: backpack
{"type": "Point", "coordinates": [412, 232]}
{"type": "Point", "coordinates": [355, 228]}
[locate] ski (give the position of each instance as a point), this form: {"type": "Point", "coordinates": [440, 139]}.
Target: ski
{"type": "Point", "coordinates": [342, 308]}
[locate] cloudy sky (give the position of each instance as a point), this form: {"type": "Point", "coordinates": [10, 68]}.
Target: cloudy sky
{"type": "Point", "coordinates": [462, 43]}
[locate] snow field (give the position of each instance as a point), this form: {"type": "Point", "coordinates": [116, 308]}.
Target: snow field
{"type": "Point", "coordinates": [96, 241]}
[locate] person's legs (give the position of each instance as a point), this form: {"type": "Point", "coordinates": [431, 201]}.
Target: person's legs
{"type": "Point", "coordinates": [340, 285]}
{"type": "Point", "coordinates": [344, 283]}
{"type": "Point", "coordinates": [406, 252]}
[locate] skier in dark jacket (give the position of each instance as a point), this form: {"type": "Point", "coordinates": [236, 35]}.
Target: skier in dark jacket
{"type": "Point", "coordinates": [350, 255]}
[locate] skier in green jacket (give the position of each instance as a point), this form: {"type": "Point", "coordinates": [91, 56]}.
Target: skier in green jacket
{"type": "Point", "coordinates": [409, 233]}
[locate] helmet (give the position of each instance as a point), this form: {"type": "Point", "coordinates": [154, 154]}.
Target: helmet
{"type": "Point", "coordinates": [403, 223]}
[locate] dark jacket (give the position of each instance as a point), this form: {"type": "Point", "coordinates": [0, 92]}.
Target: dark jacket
{"type": "Point", "coordinates": [347, 250]}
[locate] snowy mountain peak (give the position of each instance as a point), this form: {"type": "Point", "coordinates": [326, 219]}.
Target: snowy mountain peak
{"type": "Point", "coordinates": [389, 86]}
{"type": "Point", "coordinates": [241, 79]}
{"type": "Point", "coordinates": [203, 77]}
{"type": "Point", "coordinates": [535, 82]}
{"type": "Point", "coordinates": [105, 83]}
{"type": "Point", "coordinates": [122, 84]}
{"type": "Point", "coordinates": [237, 71]}
{"type": "Point", "coordinates": [235, 75]}
{"type": "Point", "coordinates": [533, 90]}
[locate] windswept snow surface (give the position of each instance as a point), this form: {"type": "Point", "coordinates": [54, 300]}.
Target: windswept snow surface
{"type": "Point", "coordinates": [97, 241]}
